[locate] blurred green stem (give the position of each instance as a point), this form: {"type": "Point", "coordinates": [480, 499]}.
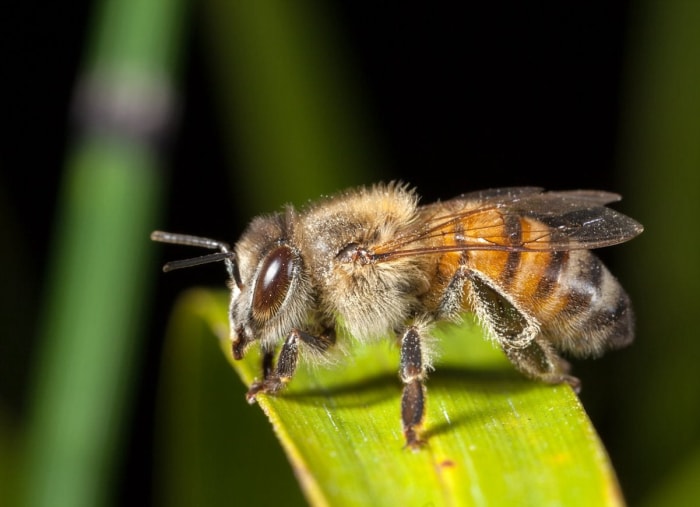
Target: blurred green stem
{"type": "Point", "coordinates": [96, 288]}
{"type": "Point", "coordinates": [660, 154]}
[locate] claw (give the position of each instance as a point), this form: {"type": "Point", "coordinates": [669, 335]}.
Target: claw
{"type": "Point", "coordinates": [413, 441]}
{"type": "Point", "coordinates": [268, 386]}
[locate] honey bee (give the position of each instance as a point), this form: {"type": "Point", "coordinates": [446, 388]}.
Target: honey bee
{"type": "Point", "coordinates": [371, 262]}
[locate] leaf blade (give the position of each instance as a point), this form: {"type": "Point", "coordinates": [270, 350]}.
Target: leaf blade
{"type": "Point", "coordinates": [494, 437]}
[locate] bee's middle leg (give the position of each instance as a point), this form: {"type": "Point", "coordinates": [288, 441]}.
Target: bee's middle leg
{"type": "Point", "coordinates": [276, 377]}
{"type": "Point", "coordinates": [412, 371]}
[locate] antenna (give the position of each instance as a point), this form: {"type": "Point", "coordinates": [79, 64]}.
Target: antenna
{"type": "Point", "coordinates": [225, 254]}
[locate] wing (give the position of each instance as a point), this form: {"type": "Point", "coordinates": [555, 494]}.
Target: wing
{"type": "Point", "coordinates": [524, 219]}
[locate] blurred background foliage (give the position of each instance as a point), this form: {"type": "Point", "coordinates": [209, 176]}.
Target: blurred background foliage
{"type": "Point", "coordinates": [124, 116]}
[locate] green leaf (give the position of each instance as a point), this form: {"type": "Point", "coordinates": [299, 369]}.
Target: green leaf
{"type": "Point", "coordinates": [494, 437]}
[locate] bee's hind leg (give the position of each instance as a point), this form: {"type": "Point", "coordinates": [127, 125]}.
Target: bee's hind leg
{"type": "Point", "coordinates": [518, 335]}
{"type": "Point", "coordinates": [412, 371]}
{"type": "Point", "coordinates": [276, 377]}
{"type": "Point", "coordinates": [540, 361]}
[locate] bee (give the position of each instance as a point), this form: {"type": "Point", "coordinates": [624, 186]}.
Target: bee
{"type": "Point", "coordinates": [371, 262]}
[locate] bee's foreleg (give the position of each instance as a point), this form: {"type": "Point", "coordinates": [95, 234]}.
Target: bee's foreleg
{"type": "Point", "coordinates": [268, 363]}
{"type": "Point", "coordinates": [276, 377]}
{"type": "Point", "coordinates": [412, 371]}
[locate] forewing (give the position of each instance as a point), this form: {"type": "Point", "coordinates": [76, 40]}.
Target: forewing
{"type": "Point", "coordinates": [535, 199]}
{"type": "Point", "coordinates": [576, 219]}
{"type": "Point", "coordinates": [566, 220]}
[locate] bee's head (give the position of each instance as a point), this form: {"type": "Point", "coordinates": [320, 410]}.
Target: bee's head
{"type": "Point", "coordinates": [270, 292]}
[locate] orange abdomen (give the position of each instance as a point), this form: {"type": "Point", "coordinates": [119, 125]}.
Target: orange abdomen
{"type": "Point", "coordinates": [579, 305]}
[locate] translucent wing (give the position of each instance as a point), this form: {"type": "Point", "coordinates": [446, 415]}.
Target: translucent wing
{"type": "Point", "coordinates": [514, 219]}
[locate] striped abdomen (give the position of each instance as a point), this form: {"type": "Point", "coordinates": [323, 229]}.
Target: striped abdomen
{"type": "Point", "coordinates": [579, 305]}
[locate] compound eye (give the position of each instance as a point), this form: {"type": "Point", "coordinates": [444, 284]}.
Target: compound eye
{"type": "Point", "coordinates": [273, 282]}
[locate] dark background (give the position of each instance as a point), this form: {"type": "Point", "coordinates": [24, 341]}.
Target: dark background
{"type": "Point", "coordinates": [500, 95]}
{"type": "Point", "coordinates": [507, 95]}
